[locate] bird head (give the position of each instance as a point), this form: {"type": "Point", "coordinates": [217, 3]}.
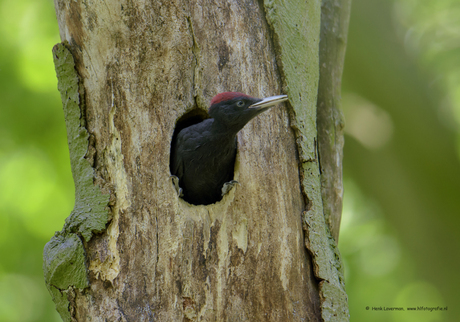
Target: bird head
{"type": "Point", "coordinates": [234, 110]}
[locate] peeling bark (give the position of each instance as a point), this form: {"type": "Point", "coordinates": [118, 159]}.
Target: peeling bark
{"type": "Point", "coordinates": [143, 65]}
{"type": "Point", "coordinates": [335, 15]}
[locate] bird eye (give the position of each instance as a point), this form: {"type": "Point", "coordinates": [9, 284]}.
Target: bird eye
{"type": "Point", "coordinates": [239, 103]}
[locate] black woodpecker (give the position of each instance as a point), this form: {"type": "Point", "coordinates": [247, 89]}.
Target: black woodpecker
{"type": "Point", "coordinates": [203, 154]}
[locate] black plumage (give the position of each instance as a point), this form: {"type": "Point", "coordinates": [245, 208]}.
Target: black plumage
{"type": "Point", "coordinates": [203, 154]}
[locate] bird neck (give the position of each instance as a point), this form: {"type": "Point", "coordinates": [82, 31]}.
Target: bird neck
{"type": "Point", "coordinates": [223, 131]}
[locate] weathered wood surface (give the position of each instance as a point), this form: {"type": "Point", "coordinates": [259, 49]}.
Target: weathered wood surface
{"type": "Point", "coordinates": [335, 15]}
{"type": "Point", "coordinates": [143, 65]}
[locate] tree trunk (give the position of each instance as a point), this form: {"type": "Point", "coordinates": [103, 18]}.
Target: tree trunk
{"type": "Point", "coordinates": [132, 250]}
{"type": "Point", "coordinates": [335, 15]}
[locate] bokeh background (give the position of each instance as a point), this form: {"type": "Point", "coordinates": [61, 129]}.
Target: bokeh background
{"type": "Point", "coordinates": [401, 97]}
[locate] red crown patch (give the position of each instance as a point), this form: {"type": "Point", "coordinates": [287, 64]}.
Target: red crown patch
{"type": "Point", "coordinates": [227, 96]}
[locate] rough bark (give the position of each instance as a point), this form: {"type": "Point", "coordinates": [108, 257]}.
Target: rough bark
{"type": "Point", "coordinates": [335, 15]}
{"type": "Point", "coordinates": [128, 71]}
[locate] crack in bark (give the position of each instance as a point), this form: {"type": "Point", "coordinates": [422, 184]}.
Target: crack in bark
{"type": "Point", "coordinates": [157, 234]}
{"type": "Point", "coordinates": [196, 77]}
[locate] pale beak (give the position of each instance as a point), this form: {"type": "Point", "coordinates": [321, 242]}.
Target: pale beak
{"type": "Point", "coordinates": [269, 101]}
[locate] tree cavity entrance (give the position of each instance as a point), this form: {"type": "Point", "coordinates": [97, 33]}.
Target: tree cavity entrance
{"type": "Point", "coordinates": [193, 190]}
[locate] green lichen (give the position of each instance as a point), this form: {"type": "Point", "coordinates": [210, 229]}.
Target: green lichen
{"type": "Point", "coordinates": [296, 30]}
{"type": "Point", "coordinates": [334, 302]}
{"type": "Point", "coordinates": [64, 260]}
{"type": "Point", "coordinates": [90, 213]}
{"type": "Point", "coordinates": [64, 267]}
{"type": "Point", "coordinates": [64, 257]}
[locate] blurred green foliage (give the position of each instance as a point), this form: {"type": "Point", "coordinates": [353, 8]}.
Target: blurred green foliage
{"type": "Point", "coordinates": [36, 188]}
{"type": "Point", "coordinates": [401, 84]}
{"type": "Point", "coordinates": [401, 98]}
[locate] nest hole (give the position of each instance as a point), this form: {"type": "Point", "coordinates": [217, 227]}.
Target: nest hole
{"type": "Point", "coordinates": [195, 116]}
{"type": "Point", "coordinates": [190, 118]}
